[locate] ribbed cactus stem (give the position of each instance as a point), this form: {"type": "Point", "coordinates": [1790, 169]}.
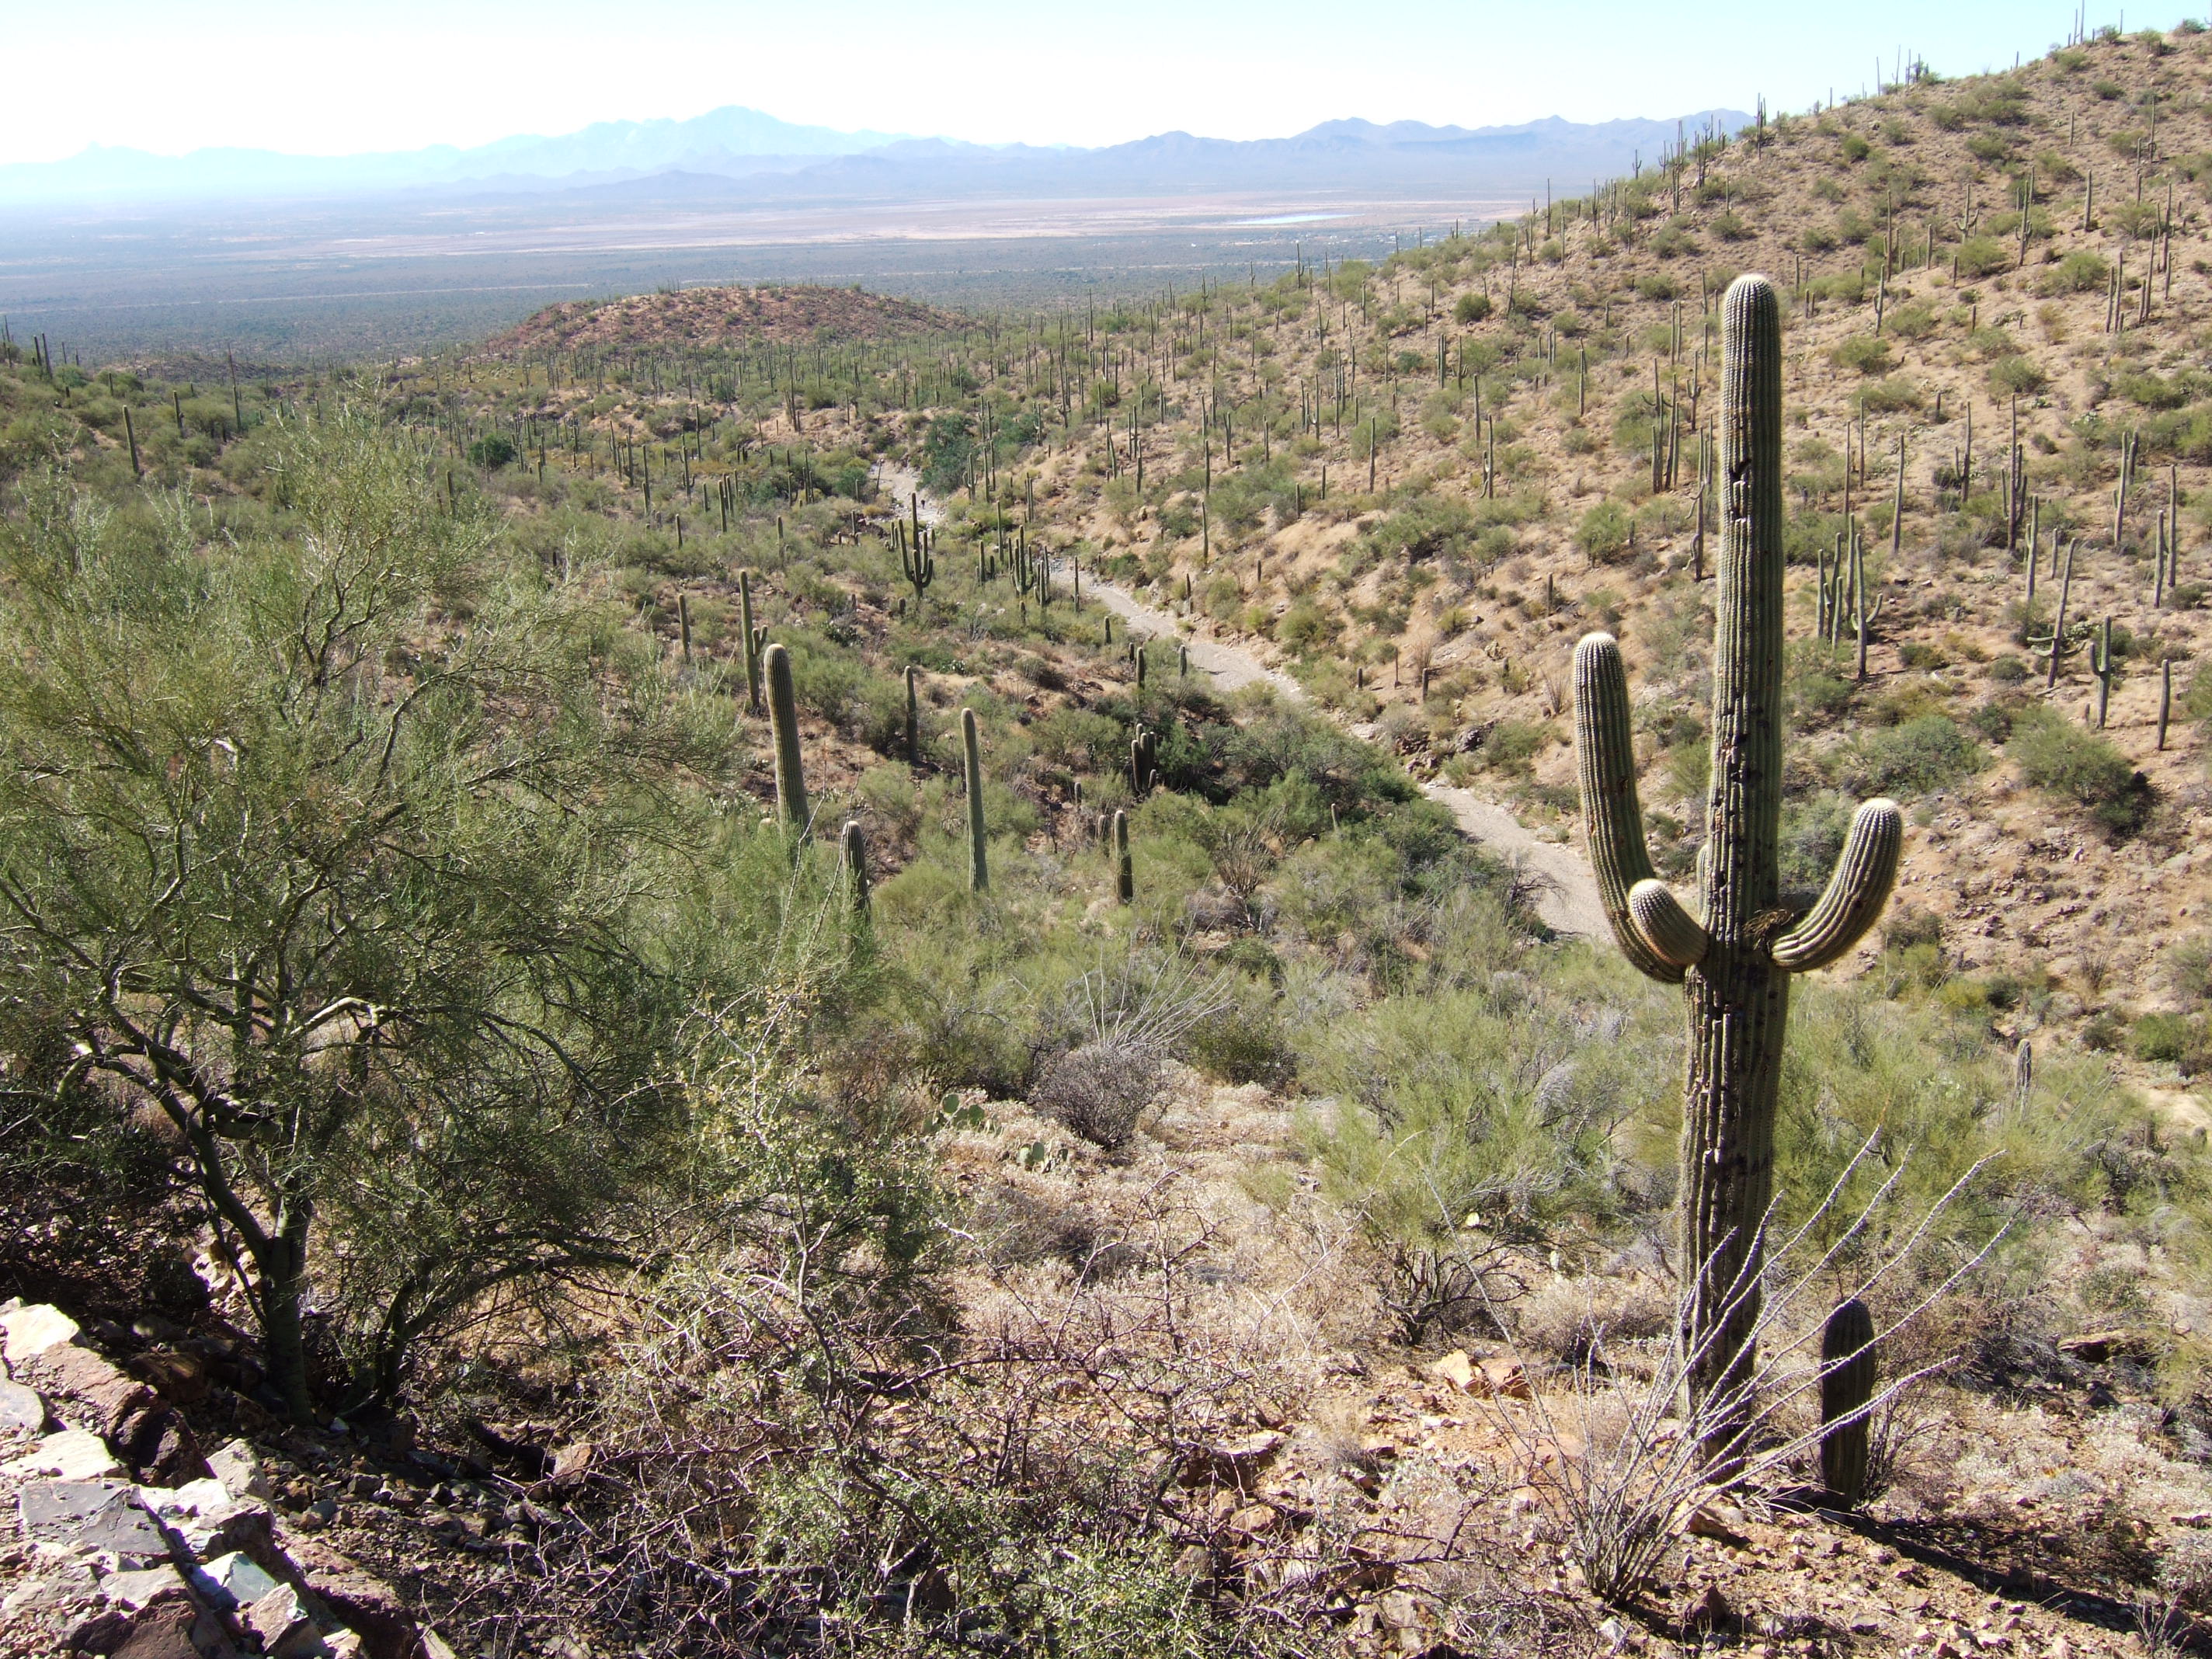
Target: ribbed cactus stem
{"type": "Point", "coordinates": [1605, 751]}
{"type": "Point", "coordinates": [1734, 956]}
{"type": "Point", "coordinates": [752, 640]}
{"type": "Point", "coordinates": [1848, 1371]}
{"type": "Point", "coordinates": [1125, 875]}
{"type": "Point", "coordinates": [913, 715]}
{"type": "Point", "coordinates": [979, 869]}
{"type": "Point", "coordinates": [853, 867]}
{"type": "Point", "coordinates": [783, 721]}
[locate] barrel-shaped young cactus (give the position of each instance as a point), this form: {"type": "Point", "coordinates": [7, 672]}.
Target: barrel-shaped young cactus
{"type": "Point", "coordinates": [1125, 873]}
{"type": "Point", "coordinates": [978, 868]}
{"type": "Point", "coordinates": [1735, 954]}
{"type": "Point", "coordinates": [783, 720]}
{"type": "Point", "coordinates": [1847, 1387]}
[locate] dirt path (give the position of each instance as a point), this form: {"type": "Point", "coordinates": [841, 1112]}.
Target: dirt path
{"type": "Point", "coordinates": [1568, 901]}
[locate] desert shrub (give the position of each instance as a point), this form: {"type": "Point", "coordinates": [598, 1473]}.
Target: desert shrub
{"type": "Point", "coordinates": [2016, 376]}
{"type": "Point", "coordinates": [1983, 256]}
{"type": "Point", "coordinates": [2180, 1040]}
{"type": "Point", "coordinates": [2080, 766]}
{"type": "Point", "coordinates": [1890, 395]}
{"type": "Point", "coordinates": [492, 451]}
{"type": "Point", "coordinates": [1916, 758]}
{"type": "Point", "coordinates": [1471, 308]}
{"type": "Point", "coordinates": [1866, 352]}
{"type": "Point", "coordinates": [2079, 272]}
{"type": "Point", "coordinates": [1603, 532]}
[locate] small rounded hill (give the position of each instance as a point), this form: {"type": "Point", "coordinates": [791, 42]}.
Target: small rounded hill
{"type": "Point", "coordinates": [711, 316]}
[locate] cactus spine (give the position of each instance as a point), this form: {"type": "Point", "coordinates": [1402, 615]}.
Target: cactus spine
{"type": "Point", "coordinates": [1735, 958]}
{"type": "Point", "coordinates": [783, 720]}
{"type": "Point", "coordinates": [1847, 1380]}
{"type": "Point", "coordinates": [1125, 874]}
{"type": "Point", "coordinates": [979, 869]}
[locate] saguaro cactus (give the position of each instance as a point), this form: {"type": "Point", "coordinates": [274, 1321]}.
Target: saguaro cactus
{"type": "Point", "coordinates": [1847, 1380]}
{"type": "Point", "coordinates": [913, 716]}
{"type": "Point", "coordinates": [755, 639]}
{"type": "Point", "coordinates": [979, 869]}
{"type": "Point", "coordinates": [1125, 873]}
{"type": "Point", "coordinates": [918, 562]}
{"type": "Point", "coordinates": [783, 719]}
{"type": "Point", "coordinates": [853, 868]}
{"type": "Point", "coordinates": [1735, 955]}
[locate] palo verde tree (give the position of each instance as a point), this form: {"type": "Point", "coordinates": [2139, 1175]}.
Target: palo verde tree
{"type": "Point", "coordinates": [1735, 956]}
{"type": "Point", "coordinates": [336, 844]}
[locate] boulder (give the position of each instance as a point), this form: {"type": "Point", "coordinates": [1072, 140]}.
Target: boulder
{"type": "Point", "coordinates": [177, 1376]}
{"type": "Point", "coordinates": [22, 1409]}
{"type": "Point", "coordinates": [94, 1516]}
{"type": "Point", "coordinates": [233, 1581]}
{"type": "Point", "coordinates": [281, 1622]}
{"type": "Point", "coordinates": [238, 1465]}
{"type": "Point", "coordinates": [147, 1587]}
{"type": "Point", "coordinates": [27, 1333]}
{"type": "Point", "coordinates": [71, 1455]}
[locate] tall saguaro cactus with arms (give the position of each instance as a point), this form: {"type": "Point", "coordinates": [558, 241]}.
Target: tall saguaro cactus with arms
{"type": "Point", "coordinates": [1734, 956]}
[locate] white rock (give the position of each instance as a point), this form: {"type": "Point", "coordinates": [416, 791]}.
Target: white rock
{"type": "Point", "coordinates": [31, 1331]}
{"type": "Point", "coordinates": [282, 1625]}
{"type": "Point", "coordinates": [72, 1455]}
{"type": "Point", "coordinates": [205, 1496]}
{"type": "Point", "coordinates": [237, 1577]}
{"type": "Point", "coordinates": [143, 1590]}
{"type": "Point", "coordinates": [238, 1465]}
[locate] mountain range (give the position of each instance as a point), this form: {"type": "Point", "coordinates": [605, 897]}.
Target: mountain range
{"type": "Point", "coordinates": [738, 153]}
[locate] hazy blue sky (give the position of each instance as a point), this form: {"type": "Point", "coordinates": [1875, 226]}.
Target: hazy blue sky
{"type": "Point", "coordinates": [313, 77]}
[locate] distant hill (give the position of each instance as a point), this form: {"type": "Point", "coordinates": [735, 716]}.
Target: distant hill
{"type": "Point", "coordinates": [766, 157]}
{"type": "Point", "coordinates": [721, 316]}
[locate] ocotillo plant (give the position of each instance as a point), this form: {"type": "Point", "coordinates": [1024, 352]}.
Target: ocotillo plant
{"type": "Point", "coordinates": [1125, 874]}
{"type": "Point", "coordinates": [853, 869]}
{"type": "Point", "coordinates": [913, 715]}
{"type": "Point", "coordinates": [1847, 1380]}
{"type": "Point", "coordinates": [783, 719]}
{"type": "Point", "coordinates": [979, 869]}
{"type": "Point", "coordinates": [1735, 957]}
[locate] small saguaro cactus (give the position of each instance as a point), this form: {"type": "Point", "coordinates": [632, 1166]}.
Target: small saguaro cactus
{"type": "Point", "coordinates": [756, 640]}
{"type": "Point", "coordinates": [1125, 873]}
{"type": "Point", "coordinates": [1847, 1387]}
{"type": "Point", "coordinates": [783, 720]}
{"type": "Point", "coordinates": [913, 715]}
{"type": "Point", "coordinates": [1735, 955]}
{"type": "Point", "coordinates": [2100, 666]}
{"type": "Point", "coordinates": [917, 562]}
{"type": "Point", "coordinates": [853, 868]}
{"type": "Point", "coordinates": [979, 869]}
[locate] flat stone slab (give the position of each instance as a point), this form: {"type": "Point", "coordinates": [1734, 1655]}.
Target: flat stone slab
{"type": "Point", "coordinates": [72, 1455]}
{"type": "Point", "coordinates": [100, 1515]}
{"type": "Point", "coordinates": [135, 1590]}
{"type": "Point", "coordinates": [21, 1409]}
{"type": "Point", "coordinates": [28, 1332]}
